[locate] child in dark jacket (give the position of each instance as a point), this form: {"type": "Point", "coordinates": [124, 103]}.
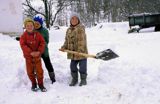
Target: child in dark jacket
{"type": "Point", "coordinates": [38, 22]}
{"type": "Point", "coordinates": [33, 44]}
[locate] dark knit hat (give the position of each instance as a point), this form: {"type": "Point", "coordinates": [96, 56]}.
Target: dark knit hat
{"type": "Point", "coordinates": [38, 19]}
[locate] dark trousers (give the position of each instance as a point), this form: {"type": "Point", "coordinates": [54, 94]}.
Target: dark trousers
{"type": "Point", "coordinates": [82, 66]}
{"type": "Point", "coordinates": [47, 63]}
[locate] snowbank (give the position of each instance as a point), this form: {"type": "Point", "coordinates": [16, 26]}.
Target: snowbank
{"type": "Point", "coordinates": [133, 78]}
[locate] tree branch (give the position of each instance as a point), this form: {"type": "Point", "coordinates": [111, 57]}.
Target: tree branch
{"type": "Point", "coordinates": [31, 7]}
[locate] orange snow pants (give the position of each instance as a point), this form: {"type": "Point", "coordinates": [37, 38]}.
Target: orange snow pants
{"type": "Point", "coordinates": [34, 70]}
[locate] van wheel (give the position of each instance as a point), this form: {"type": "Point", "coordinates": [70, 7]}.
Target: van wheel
{"type": "Point", "coordinates": [157, 28]}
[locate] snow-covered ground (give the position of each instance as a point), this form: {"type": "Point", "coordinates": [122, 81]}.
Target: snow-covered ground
{"type": "Point", "coordinates": [133, 78]}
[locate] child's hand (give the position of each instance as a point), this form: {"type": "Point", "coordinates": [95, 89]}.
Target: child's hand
{"type": "Point", "coordinates": [61, 49]}
{"type": "Point", "coordinates": [32, 54]}
{"type": "Point", "coordinates": [35, 54]}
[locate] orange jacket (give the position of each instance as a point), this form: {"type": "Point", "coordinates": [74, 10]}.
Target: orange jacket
{"type": "Point", "coordinates": [31, 42]}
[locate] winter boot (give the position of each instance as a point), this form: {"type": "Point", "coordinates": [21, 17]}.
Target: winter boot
{"type": "Point", "coordinates": [42, 88]}
{"type": "Point", "coordinates": [74, 78]}
{"type": "Point", "coordinates": [52, 77]}
{"type": "Point", "coordinates": [34, 87]}
{"type": "Point", "coordinates": [83, 79]}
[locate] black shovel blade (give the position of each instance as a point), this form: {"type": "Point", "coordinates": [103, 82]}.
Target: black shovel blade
{"type": "Point", "coordinates": [107, 54]}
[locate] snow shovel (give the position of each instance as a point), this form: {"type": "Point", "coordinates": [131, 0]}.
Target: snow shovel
{"type": "Point", "coordinates": [106, 55]}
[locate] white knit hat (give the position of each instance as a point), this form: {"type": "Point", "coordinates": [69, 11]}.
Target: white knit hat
{"type": "Point", "coordinates": [74, 14]}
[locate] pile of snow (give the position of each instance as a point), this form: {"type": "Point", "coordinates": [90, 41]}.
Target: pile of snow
{"type": "Point", "coordinates": [133, 78]}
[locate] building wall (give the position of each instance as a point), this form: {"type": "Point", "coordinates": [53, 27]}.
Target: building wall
{"type": "Point", "coordinates": [11, 18]}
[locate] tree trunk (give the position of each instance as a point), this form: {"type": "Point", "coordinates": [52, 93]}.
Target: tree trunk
{"type": "Point", "coordinates": [46, 13]}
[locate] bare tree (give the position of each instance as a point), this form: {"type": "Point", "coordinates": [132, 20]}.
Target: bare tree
{"type": "Point", "coordinates": [46, 10]}
{"type": "Point", "coordinates": [91, 11]}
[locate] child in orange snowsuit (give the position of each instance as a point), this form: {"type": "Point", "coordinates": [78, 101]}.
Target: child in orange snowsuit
{"type": "Point", "coordinates": [33, 44]}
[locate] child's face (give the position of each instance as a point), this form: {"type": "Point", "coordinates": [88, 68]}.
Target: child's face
{"type": "Point", "coordinates": [29, 27]}
{"type": "Point", "coordinates": [37, 25]}
{"type": "Point", "coordinates": [74, 20]}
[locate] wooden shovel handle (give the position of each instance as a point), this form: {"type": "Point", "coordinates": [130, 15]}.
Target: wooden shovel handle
{"type": "Point", "coordinates": [80, 54]}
